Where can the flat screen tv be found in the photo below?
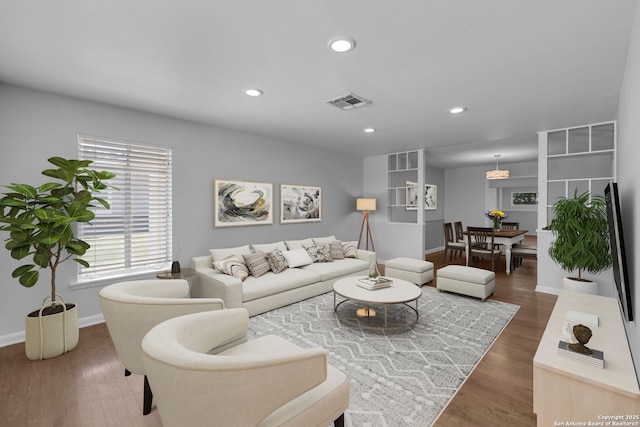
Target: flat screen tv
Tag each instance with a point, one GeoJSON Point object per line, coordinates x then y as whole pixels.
{"type": "Point", "coordinates": [618, 254]}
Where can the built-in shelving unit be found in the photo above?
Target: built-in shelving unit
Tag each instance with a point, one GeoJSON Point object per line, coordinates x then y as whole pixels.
{"type": "Point", "coordinates": [403, 168]}
{"type": "Point", "coordinates": [579, 158]}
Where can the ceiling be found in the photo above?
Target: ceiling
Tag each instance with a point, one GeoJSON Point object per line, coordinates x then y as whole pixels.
{"type": "Point", "coordinates": [517, 66]}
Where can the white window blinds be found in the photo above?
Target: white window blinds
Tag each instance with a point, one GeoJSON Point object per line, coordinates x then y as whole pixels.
{"type": "Point", "coordinates": [134, 236]}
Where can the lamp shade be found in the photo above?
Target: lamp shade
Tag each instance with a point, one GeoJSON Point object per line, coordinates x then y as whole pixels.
{"type": "Point", "coordinates": [366, 204]}
{"type": "Point", "coordinates": [498, 174]}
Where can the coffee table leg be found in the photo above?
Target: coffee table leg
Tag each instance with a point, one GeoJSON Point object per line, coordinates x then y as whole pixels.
{"type": "Point", "coordinates": [385, 315]}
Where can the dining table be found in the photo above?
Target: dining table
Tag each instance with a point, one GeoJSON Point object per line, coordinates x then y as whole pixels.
{"type": "Point", "coordinates": [507, 238]}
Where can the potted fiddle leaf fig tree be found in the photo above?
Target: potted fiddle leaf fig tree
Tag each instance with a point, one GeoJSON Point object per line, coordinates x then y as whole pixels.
{"type": "Point", "coordinates": [581, 240]}
{"type": "Point", "coordinates": [40, 222]}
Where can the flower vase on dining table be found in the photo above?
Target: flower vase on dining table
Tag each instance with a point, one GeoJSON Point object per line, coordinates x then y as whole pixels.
{"type": "Point", "coordinates": [497, 225]}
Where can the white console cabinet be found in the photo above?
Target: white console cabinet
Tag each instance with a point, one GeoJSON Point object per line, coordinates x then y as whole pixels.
{"type": "Point", "coordinates": [565, 390]}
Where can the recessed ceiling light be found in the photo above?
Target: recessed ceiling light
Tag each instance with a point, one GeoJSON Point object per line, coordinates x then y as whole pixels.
{"type": "Point", "coordinates": [457, 110]}
{"type": "Point", "coordinates": [342, 44]}
{"type": "Point", "coordinates": [369, 130]}
{"type": "Point", "coordinates": [252, 92]}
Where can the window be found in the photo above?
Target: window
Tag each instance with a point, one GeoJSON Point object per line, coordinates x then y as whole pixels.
{"type": "Point", "coordinates": [134, 236]}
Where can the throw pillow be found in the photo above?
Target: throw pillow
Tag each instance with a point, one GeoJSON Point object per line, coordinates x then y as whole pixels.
{"type": "Point", "coordinates": [297, 258]}
{"type": "Point", "coordinates": [319, 253]}
{"type": "Point", "coordinates": [257, 263]}
{"type": "Point", "coordinates": [335, 248]}
{"type": "Point", "coordinates": [233, 266]}
{"type": "Point", "coordinates": [219, 254]}
{"type": "Point", "coordinates": [349, 249]}
{"type": "Point", "coordinates": [268, 247]}
{"type": "Point", "coordinates": [277, 261]}
{"type": "Point", "coordinates": [297, 244]}
{"type": "Point", "coordinates": [323, 240]}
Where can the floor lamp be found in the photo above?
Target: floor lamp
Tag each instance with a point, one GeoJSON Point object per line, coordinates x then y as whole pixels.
{"type": "Point", "coordinates": [366, 205]}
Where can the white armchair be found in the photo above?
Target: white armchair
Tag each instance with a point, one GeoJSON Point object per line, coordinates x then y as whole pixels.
{"type": "Point", "coordinates": [200, 378]}
{"type": "Point", "coordinates": [132, 308]}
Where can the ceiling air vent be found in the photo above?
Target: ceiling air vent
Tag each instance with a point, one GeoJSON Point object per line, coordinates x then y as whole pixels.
{"type": "Point", "coordinates": [348, 101]}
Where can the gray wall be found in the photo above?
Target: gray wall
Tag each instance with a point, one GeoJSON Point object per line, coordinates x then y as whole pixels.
{"type": "Point", "coordinates": [468, 194]}
{"type": "Point", "coordinates": [396, 239]}
{"type": "Point", "coordinates": [35, 126]}
{"type": "Point", "coordinates": [627, 177]}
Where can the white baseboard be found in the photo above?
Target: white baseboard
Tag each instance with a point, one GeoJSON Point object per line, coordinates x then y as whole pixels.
{"type": "Point", "coordinates": [548, 290]}
{"type": "Point", "coordinates": [18, 337]}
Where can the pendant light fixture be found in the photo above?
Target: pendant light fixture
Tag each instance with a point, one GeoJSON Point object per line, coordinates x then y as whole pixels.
{"type": "Point", "coordinates": [498, 173]}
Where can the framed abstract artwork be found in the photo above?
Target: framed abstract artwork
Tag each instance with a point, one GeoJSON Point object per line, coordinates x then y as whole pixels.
{"type": "Point", "coordinates": [300, 203]}
{"type": "Point", "coordinates": [242, 203]}
{"type": "Point", "coordinates": [523, 199]}
{"type": "Point", "coordinates": [430, 196]}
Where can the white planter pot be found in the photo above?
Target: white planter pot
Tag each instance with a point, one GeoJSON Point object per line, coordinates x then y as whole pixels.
{"type": "Point", "coordinates": [586, 287]}
{"type": "Point", "coordinates": [52, 335]}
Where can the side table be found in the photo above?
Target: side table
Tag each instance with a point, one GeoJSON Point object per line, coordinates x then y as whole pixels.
{"type": "Point", "coordinates": [185, 273]}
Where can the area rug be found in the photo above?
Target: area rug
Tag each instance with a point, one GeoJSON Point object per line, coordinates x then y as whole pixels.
{"type": "Point", "coordinates": [396, 378]}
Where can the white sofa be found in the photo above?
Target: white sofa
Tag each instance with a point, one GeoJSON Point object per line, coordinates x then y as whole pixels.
{"type": "Point", "coordinates": [270, 291]}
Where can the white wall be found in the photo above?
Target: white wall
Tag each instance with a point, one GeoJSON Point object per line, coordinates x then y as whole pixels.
{"type": "Point", "coordinates": [35, 126]}
{"type": "Point", "coordinates": [628, 178]}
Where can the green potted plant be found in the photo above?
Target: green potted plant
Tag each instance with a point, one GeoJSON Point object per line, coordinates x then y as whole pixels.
{"type": "Point", "coordinates": [581, 242]}
{"type": "Point", "coordinates": [40, 222]}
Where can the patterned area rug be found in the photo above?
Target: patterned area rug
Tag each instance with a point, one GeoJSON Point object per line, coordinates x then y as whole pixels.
{"type": "Point", "coordinates": [396, 378]}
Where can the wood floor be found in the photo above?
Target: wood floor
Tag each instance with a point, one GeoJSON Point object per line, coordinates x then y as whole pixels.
{"type": "Point", "coordinates": [86, 387]}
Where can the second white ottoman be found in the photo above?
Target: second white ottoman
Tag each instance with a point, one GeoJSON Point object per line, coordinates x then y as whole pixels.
{"type": "Point", "coordinates": [471, 281]}
{"type": "Point", "coordinates": [409, 269]}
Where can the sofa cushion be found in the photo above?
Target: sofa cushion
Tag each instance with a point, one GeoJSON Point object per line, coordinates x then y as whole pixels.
{"type": "Point", "coordinates": [332, 270]}
{"type": "Point", "coordinates": [277, 261]}
{"type": "Point", "coordinates": [268, 247]}
{"type": "Point", "coordinates": [271, 284]}
{"type": "Point", "coordinates": [319, 253]}
{"type": "Point", "coordinates": [257, 263]}
{"type": "Point", "coordinates": [297, 258]}
{"type": "Point", "coordinates": [335, 248]}
{"type": "Point", "coordinates": [297, 244]}
{"type": "Point", "coordinates": [322, 240]}
{"type": "Point", "coordinates": [218, 254]}
{"type": "Point", "coordinates": [233, 265]}
{"type": "Point", "coordinates": [350, 249]}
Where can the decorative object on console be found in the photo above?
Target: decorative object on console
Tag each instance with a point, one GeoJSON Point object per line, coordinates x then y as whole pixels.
{"type": "Point", "coordinates": [578, 350]}
{"type": "Point", "coordinates": [300, 203]}
{"type": "Point", "coordinates": [242, 203]}
{"type": "Point", "coordinates": [498, 173]}
{"type": "Point", "coordinates": [496, 216]}
{"type": "Point", "coordinates": [366, 205]}
{"type": "Point", "coordinates": [430, 196]}
{"type": "Point", "coordinates": [581, 240]}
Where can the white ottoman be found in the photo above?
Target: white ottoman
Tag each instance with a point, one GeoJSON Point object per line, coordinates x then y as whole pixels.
{"type": "Point", "coordinates": [471, 281]}
{"type": "Point", "coordinates": [409, 269]}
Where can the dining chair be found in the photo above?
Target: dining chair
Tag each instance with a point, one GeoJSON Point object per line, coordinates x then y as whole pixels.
{"type": "Point", "coordinates": [457, 226]}
{"type": "Point", "coordinates": [510, 225]}
{"type": "Point", "coordinates": [450, 244]}
{"type": "Point", "coordinates": [481, 245]}
{"type": "Point", "coordinates": [518, 253]}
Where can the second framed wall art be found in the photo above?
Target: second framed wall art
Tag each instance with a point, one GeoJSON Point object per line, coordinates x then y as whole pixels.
{"type": "Point", "coordinates": [430, 196]}
{"type": "Point", "coordinates": [300, 203]}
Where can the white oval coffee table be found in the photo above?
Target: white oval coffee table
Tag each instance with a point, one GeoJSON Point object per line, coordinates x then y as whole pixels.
{"type": "Point", "coordinates": [400, 292]}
